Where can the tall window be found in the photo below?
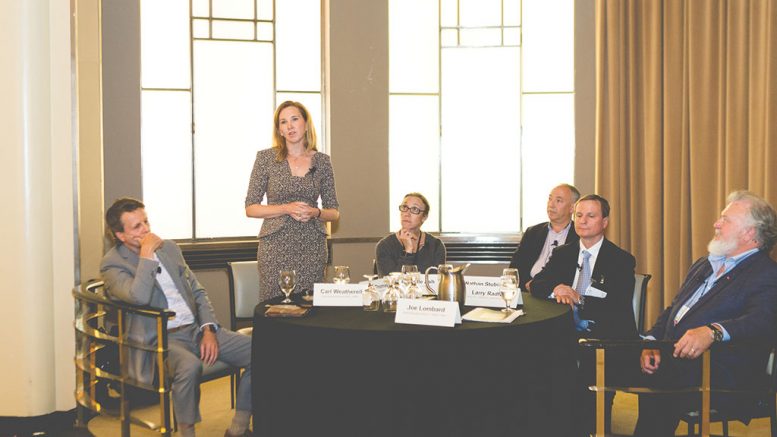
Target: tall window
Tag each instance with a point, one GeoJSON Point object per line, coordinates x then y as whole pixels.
{"type": "Point", "coordinates": [212, 74]}
{"type": "Point", "coordinates": [481, 109]}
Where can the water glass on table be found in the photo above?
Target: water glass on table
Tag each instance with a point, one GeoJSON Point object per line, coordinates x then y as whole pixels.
{"type": "Point", "coordinates": [287, 280]}
{"type": "Point", "coordinates": [410, 277]}
{"type": "Point", "coordinates": [370, 296]}
{"type": "Point", "coordinates": [508, 286]}
{"type": "Point", "coordinates": [392, 295]}
{"type": "Point", "coordinates": [342, 275]}
{"type": "Point", "coordinates": [511, 271]}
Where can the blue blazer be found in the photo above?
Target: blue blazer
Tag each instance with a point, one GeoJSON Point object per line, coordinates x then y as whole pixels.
{"type": "Point", "coordinates": [744, 302]}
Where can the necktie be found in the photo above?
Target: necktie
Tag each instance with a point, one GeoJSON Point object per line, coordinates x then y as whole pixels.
{"type": "Point", "coordinates": [583, 281]}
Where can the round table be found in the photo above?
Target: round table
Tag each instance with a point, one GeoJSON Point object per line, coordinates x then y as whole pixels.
{"type": "Point", "coordinates": [348, 372]}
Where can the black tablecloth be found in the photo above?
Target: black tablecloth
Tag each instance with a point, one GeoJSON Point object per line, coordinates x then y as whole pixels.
{"type": "Point", "coordinates": [347, 372]}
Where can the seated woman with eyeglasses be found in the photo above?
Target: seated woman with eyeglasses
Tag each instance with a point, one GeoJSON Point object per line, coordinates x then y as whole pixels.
{"type": "Point", "coordinates": [410, 245]}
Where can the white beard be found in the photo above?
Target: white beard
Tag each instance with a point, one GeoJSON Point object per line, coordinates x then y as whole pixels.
{"type": "Point", "coordinates": [722, 247]}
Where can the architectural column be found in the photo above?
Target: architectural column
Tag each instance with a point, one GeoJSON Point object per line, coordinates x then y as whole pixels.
{"type": "Point", "coordinates": [37, 262]}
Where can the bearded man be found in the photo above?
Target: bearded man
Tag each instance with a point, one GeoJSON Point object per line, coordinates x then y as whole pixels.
{"type": "Point", "coordinates": [728, 296]}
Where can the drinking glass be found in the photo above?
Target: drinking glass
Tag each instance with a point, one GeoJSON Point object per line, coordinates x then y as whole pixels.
{"type": "Point", "coordinates": [409, 268]}
{"type": "Point", "coordinates": [514, 272]}
{"type": "Point", "coordinates": [508, 286]}
{"type": "Point", "coordinates": [370, 296]}
{"type": "Point", "coordinates": [392, 295]}
{"type": "Point", "coordinates": [410, 278]}
{"type": "Point", "coordinates": [287, 281]}
{"type": "Point", "coordinates": [342, 275]}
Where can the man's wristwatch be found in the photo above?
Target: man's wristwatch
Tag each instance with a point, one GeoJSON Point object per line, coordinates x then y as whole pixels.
{"type": "Point", "coordinates": [717, 334]}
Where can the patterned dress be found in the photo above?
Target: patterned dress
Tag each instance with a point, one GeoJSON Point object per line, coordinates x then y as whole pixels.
{"type": "Point", "coordinates": [285, 243]}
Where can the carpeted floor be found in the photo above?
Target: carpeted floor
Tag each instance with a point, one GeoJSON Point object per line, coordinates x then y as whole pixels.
{"type": "Point", "coordinates": [216, 415]}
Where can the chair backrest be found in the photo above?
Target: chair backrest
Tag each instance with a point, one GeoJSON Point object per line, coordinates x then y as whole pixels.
{"type": "Point", "coordinates": [638, 299]}
{"type": "Point", "coordinates": [243, 290]}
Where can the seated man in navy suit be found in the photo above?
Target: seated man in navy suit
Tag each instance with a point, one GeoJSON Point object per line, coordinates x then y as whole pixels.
{"type": "Point", "coordinates": [538, 241]}
{"type": "Point", "coordinates": [729, 295]}
{"type": "Point", "coordinates": [143, 269]}
{"type": "Point", "coordinates": [596, 278]}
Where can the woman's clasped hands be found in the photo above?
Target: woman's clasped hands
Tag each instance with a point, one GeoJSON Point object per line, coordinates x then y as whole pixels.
{"type": "Point", "coordinates": [301, 211]}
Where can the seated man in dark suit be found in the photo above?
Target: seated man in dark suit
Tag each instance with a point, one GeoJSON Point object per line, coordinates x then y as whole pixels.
{"type": "Point", "coordinates": [538, 241]}
{"type": "Point", "coordinates": [596, 278]}
{"type": "Point", "coordinates": [143, 269]}
{"type": "Point", "coordinates": [729, 295]}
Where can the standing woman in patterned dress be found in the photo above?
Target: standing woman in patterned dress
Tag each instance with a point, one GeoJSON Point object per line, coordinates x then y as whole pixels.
{"type": "Point", "coordinates": [294, 176]}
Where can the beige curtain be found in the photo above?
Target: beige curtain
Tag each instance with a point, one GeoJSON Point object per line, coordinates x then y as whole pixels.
{"type": "Point", "coordinates": [686, 111]}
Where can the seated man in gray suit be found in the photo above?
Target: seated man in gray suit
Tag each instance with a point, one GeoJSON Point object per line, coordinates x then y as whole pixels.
{"type": "Point", "coordinates": [538, 241]}
{"type": "Point", "coordinates": [728, 295]}
{"type": "Point", "coordinates": [143, 269]}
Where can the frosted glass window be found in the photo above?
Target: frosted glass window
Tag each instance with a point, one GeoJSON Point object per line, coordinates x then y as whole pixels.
{"type": "Point", "coordinates": [165, 44]}
{"type": "Point", "coordinates": [166, 146]}
{"type": "Point", "coordinates": [233, 8]}
{"type": "Point", "coordinates": [264, 31]}
{"type": "Point", "coordinates": [512, 12]}
{"type": "Point", "coordinates": [480, 140]}
{"type": "Point", "coordinates": [414, 48]}
{"type": "Point", "coordinates": [548, 149]}
{"type": "Point", "coordinates": [495, 99]}
{"type": "Point", "coordinates": [201, 28]}
{"type": "Point", "coordinates": [450, 38]}
{"type": "Point", "coordinates": [233, 29]}
{"type": "Point", "coordinates": [480, 37]}
{"type": "Point", "coordinates": [448, 13]}
{"type": "Point", "coordinates": [233, 108]}
{"type": "Point", "coordinates": [414, 154]}
{"type": "Point", "coordinates": [512, 36]}
{"type": "Point", "coordinates": [548, 45]}
{"type": "Point", "coordinates": [264, 9]}
{"type": "Point", "coordinates": [200, 8]}
{"type": "Point", "coordinates": [312, 101]}
{"type": "Point", "coordinates": [480, 12]}
{"type": "Point", "coordinates": [298, 45]}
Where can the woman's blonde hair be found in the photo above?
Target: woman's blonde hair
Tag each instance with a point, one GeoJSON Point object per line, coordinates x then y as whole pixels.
{"type": "Point", "coordinates": [279, 142]}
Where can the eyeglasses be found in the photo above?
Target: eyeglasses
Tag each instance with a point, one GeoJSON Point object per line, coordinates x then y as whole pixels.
{"type": "Point", "coordinates": [413, 209]}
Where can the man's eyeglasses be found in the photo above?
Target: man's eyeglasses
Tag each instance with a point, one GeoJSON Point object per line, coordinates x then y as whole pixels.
{"type": "Point", "coordinates": [413, 209]}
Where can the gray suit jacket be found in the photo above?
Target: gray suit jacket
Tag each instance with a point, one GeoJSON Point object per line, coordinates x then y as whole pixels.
{"type": "Point", "coordinates": [132, 279]}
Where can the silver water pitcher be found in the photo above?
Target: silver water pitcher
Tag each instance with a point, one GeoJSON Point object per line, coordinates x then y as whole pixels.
{"type": "Point", "coordinates": [450, 282]}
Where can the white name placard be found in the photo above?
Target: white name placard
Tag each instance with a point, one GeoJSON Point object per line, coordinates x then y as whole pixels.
{"type": "Point", "coordinates": [337, 295]}
{"type": "Point", "coordinates": [427, 312]}
{"type": "Point", "coordinates": [483, 291]}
